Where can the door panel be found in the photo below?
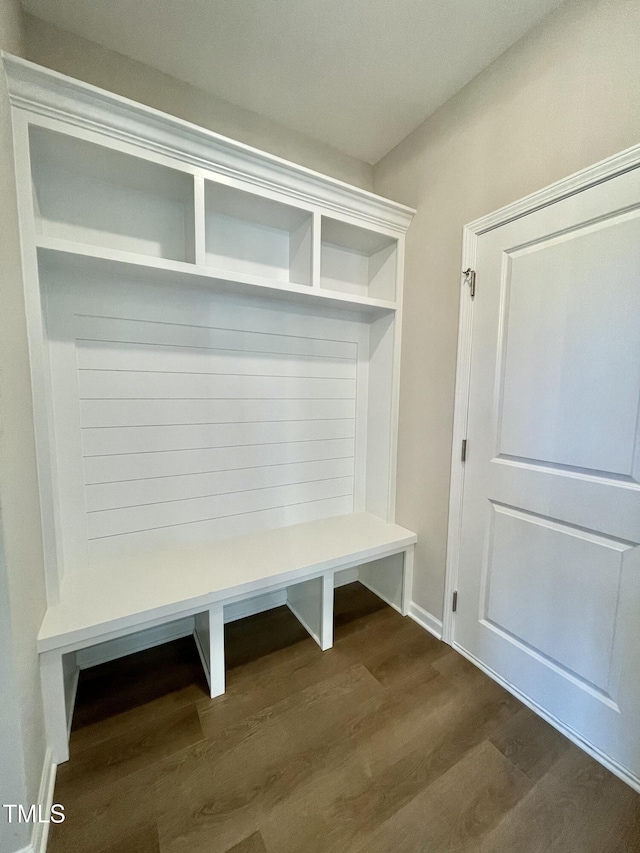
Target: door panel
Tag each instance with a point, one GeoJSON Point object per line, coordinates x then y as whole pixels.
{"type": "Point", "coordinates": [549, 572]}
{"type": "Point", "coordinates": [534, 564]}
{"type": "Point", "coordinates": [585, 413]}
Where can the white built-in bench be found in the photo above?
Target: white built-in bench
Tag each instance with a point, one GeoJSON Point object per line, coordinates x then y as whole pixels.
{"type": "Point", "coordinates": [120, 597]}
{"type": "Point", "coordinates": [214, 339]}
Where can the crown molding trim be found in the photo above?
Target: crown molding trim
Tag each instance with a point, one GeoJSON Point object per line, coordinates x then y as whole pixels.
{"type": "Point", "coordinates": [41, 91]}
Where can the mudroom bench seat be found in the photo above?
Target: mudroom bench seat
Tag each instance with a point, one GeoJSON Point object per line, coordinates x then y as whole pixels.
{"type": "Point", "coordinates": [115, 598]}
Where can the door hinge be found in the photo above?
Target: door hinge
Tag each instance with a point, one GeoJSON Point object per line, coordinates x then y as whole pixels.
{"type": "Point", "coordinates": [470, 279]}
{"type": "Point", "coordinates": [463, 452]}
{"type": "Point", "coordinates": [454, 604]}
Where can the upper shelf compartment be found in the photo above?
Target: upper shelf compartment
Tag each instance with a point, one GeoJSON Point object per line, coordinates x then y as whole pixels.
{"type": "Point", "coordinates": [247, 234]}
{"type": "Point", "coordinates": [95, 195]}
{"type": "Point", "coordinates": [357, 261]}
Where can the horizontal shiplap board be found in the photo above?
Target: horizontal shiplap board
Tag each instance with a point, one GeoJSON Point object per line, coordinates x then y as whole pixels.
{"type": "Point", "coordinates": [106, 469]}
{"type": "Point", "coordinates": [133, 519]}
{"type": "Point", "coordinates": [162, 489]}
{"type": "Point", "coordinates": [118, 440]}
{"type": "Point", "coordinates": [114, 384]}
{"type": "Point", "coordinates": [109, 355]}
{"type": "Point", "coordinates": [220, 528]}
{"type": "Point", "coordinates": [128, 331]}
{"type": "Point", "coordinates": [110, 413]}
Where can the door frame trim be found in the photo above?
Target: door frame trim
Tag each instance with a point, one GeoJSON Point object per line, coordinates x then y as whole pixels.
{"type": "Point", "coordinates": [611, 167]}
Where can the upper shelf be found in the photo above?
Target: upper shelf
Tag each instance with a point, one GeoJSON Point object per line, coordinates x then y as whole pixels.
{"type": "Point", "coordinates": [66, 253]}
{"type": "Point", "coordinates": [97, 205]}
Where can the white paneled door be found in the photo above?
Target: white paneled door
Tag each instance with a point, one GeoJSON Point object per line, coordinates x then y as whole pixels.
{"type": "Point", "coordinates": [549, 563]}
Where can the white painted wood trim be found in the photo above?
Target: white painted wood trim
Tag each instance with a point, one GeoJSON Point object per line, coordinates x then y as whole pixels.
{"type": "Point", "coordinates": [311, 603]}
{"type": "Point", "coordinates": [316, 249]}
{"type": "Point", "coordinates": [39, 369]}
{"type": "Point", "coordinates": [40, 834]}
{"type": "Point", "coordinates": [328, 588]}
{"type": "Point", "coordinates": [625, 161]}
{"type": "Point", "coordinates": [395, 382]}
{"type": "Point", "coordinates": [199, 246]}
{"type": "Point", "coordinates": [71, 700]}
{"type": "Point", "coordinates": [202, 654]}
{"type": "Point", "coordinates": [216, 675]}
{"type": "Point", "coordinates": [407, 580]}
{"type": "Point", "coordinates": [617, 769]}
{"type": "Point", "coordinates": [426, 620]}
{"type": "Point", "coordinates": [51, 94]}
{"type": "Point", "coordinates": [463, 375]}
{"type": "Point", "coordinates": [52, 679]}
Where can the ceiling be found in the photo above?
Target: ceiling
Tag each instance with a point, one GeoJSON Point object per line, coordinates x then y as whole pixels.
{"type": "Point", "coordinates": [358, 75]}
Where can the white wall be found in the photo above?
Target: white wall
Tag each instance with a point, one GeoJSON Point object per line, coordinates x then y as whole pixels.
{"type": "Point", "coordinates": [73, 55]}
{"type": "Point", "coordinates": [564, 97]}
{"type": "Point", "coordinates": [22, 595]}
{"type": "Point", "coordinates": [12, 778]}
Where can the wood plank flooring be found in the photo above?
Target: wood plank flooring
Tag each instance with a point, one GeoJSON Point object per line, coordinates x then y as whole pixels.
{"type": "Point", "coordinates": [388, 743]}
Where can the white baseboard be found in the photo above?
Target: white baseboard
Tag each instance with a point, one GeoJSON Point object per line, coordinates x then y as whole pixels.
{"type": "Point", "coordinates": [426, 620]}
{"type": "Point", "coordinates": [617, 769]}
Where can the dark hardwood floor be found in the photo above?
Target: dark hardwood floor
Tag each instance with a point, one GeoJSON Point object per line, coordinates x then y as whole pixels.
{"type": "Point", "coordinates": [388, 743]}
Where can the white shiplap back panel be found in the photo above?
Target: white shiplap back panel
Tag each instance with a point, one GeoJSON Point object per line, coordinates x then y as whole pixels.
{"type": "Point", "coordinates": [198, 417]}
{"type": "Point", "coordinates": [120, 469]}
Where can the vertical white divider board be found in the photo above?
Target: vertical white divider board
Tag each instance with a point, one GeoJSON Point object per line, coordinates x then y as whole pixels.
{"type": "Point", "coordinates": [41, 391]}
{"type": "Point", "coordinates": [159, 420]}
{"type": "Point", "coordinates": [316, 251]}
{"type": "Point", "coordinates": [200, 249]}
{"type": "Point", "coordinates": [311, 602]}
{"type": "Point", "coordinates": [57, 720]}
{"type": "Point", "coordinates": [209, 636]}
{"type": "Point", "coordinates": [300, 253]}
{"type": "Point", "coordinates": [381, 432]}
{"type": "Point", "coordinates": [390, 579]}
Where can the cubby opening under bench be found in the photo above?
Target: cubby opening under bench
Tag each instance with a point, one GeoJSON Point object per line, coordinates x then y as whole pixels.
{"type": "Point", "coordinates": [214, 339]}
